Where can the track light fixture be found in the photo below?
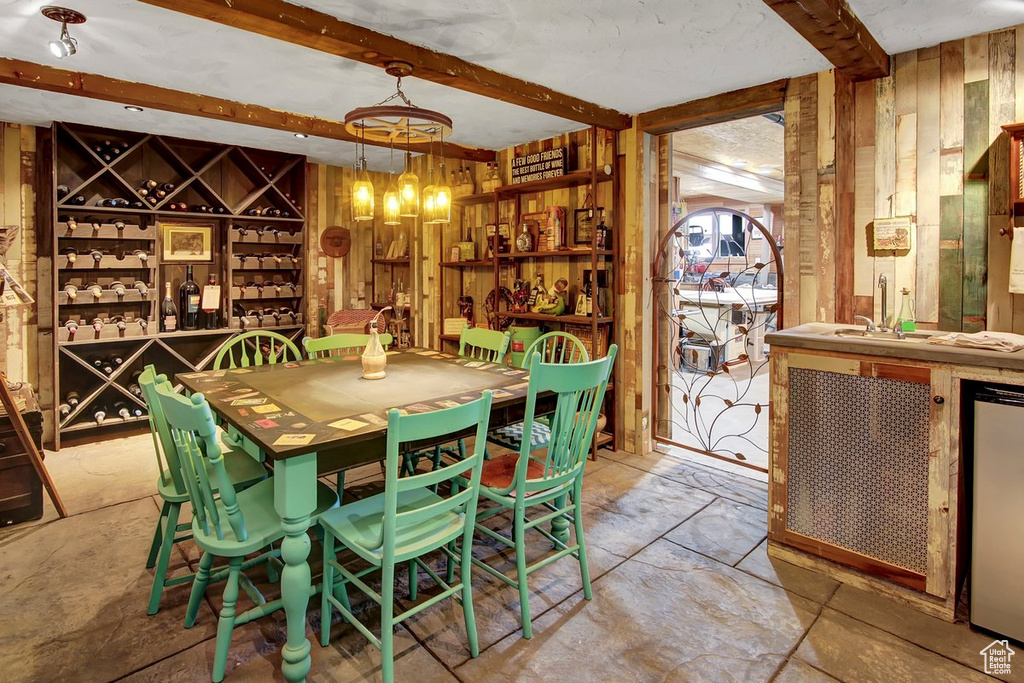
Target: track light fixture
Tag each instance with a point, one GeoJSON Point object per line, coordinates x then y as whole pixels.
{"type": "Point", "coordinates": [65, 46]}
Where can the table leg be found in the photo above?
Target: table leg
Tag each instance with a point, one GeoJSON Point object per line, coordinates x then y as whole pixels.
{"type": "Point", "coordinates": [294, 500]}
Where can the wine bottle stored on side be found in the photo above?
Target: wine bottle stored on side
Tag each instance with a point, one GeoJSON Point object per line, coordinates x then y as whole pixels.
{"type": "Point", "coordinates": [188, 301]}
{"type": "Point", "coordinates": [168, 312]}
{"type": "Point", "coordinates": [71, 253]}
{"type": "Point", "coordinates": [64, 410]}
{"type": "Point", "coordinates": [96, 361]}
{"type": "Point", "coordinates": [126, 412]}
{"type": "Point", "coordinates": [99, 413]}
{"type": "Point", "coordinates": [133, 384]}
{"type": "Point", "coordinates": [72, 292]}
{"type": "Point", "coordinates": [107, 367]}
{"type": "Point", "coordinates": [73, 399]}
{"type": "Point", "coordinates": [62, 192]}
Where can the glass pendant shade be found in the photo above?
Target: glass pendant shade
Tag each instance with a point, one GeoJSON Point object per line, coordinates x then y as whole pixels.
{"type": "Point", "coordinates": [409, 194]}
{"type": "Point", "coordinates": [442, 202]}
{"type": "Point", "coordinates": [362, 198]}
{"type": "Point", "coordinates": [429, 214]}
{"type": "Point", "coordinates": [392, 207]}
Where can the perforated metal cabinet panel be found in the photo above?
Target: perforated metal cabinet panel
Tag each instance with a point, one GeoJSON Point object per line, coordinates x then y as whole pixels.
{"type": "Point", "coordinates": [858, 464]}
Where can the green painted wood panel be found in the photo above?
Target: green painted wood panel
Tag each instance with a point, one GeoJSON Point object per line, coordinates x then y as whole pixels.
{"type": "Point", "coordinates": [951, 295]}
{"type": "Point", "coordinates": [975, 211]}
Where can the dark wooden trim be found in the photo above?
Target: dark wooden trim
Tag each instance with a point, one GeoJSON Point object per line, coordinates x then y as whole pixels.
{"type": "Point", "coordinates": [50, 79]}
{"type": "Point", "coordinates": [846, 156]}
{"type": "Point", "coordinates": [836, 32]}
{"type": "Point", "coordinates": [849, 558]}
{"type": "Point", "coordinates": [323, 32]}
{"type": "Point", "coordinates": [729, 106]}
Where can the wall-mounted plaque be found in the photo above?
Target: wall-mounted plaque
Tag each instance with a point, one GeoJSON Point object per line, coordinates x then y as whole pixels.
{"type": "Point", "coordinates": [539, 166]}
{"type": "Point", "coordinates": [893, 234]}
{"type": "Point", "coordinates": [336, 241]}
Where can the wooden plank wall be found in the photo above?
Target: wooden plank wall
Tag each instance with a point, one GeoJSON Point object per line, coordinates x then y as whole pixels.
{"type": "Point", "coordinates": [926, 142]}
{"type": "Point", "coordinates": [19, 355]}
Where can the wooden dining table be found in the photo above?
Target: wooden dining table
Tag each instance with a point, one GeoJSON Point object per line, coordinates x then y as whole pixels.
{"type": "Point", "coordinates": [311, 417]}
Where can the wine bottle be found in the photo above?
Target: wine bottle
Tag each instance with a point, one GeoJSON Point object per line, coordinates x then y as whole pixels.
{"type": "Point", "coordinates": [168, 312]}
{"type": "Point", "coordinates": [71, 253]}
{"type": "Point", "coordinates": [151, 184]}
{"type": "Point", "coordinates": [97, 256]}
{"type": "Point", "coordinates": [95, 290]}
{"type": "Point", "coordinates": [72, 291]}
{"type": "Point", "coordinates": [188, 301]}
{"type": "Point", "coordinates": [62, 192]}
{"type": "Point", "coordinates": [219, 209]}
{"type": "Point", "coordinates": [78, 200]}
{"type": "Point", "coordinates": [96, 361]}
{"type": "Point", "coordinates": [120, 323]}
{"type": "Point", "coordinates": [71, 223]}
{"type": "Point", "coordinates": [275, 285]}
{"type": "Point", "coordinates": [71, 326]}
{"type": "Point", "coordinates": [152, 201]}
{"type": "Point", "coordinates": [97, 325]}
{"type": "Point", "coordinates": [167, 187]}
{"type": "Point", "coordinates": [143, 192]}
{"type": "Point", "coordinates": [142, 255]}
{"type": "Point", "coordinates": [242, 231]}
{"type": "Point", "coordinates": [64, 410]}
{"type": "Point", "coordinates": [73, 399]}
{"type": "Point", "coordinates": [99, 413]}
{"type": "Point", "coordinates": [107, 367]}
{"type": "Point", "coordinates": [126, 411]}
{"type": "Point", "coordinates": [138, 205]}
{"type": "Point", "coordinates": [118, 288]}
{"type": "Point", "coordinates": [378, 247]}
{"type": "Point", "coordinates": [254, 212]}
{"type": "Point", "coordinates": [133, 385]}
{"type": "Point", "coordinates": [160, 194]}
{"type": "Point", "coordinates": [274, 313]}
{"type": "Point", "coordinates": [211, 314]}
{"type": "Point", "coordinates": [142, 287]}
{"type": "Point", "coordinates": [117, 360]}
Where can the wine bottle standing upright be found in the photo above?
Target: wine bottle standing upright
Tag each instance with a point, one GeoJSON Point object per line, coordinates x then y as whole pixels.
{"type": "Point", "coordinates": [168, 312]}
{"type": "Point", "coordinates": [211, 302]}
{"type": "Point", "coordinates": [188, 301]}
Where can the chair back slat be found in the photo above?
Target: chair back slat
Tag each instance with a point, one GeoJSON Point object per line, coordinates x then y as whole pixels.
{"type": "Point", "coordinates": [256, 348]}
{"type": "Point", "coordinates": [195, 438]}
{"type": "Point", "coordinates": [579, 390]}
{"type": "Point", "coordinates": [486, 345]}
{"type": "Point", "coordinates": [341, 344]}
{"type": "Point", "coordinates": [433, 425]}
{"type": "Point", "coordinates": [558, 348]}
{"type": "Point", "coordinates": [163, 443]}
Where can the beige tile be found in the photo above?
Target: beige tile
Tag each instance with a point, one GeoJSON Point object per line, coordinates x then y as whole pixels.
{"type": "Point", "coordinates": [724, 530]}
{"type": "Point", "coordinates": [854, 651]}
{"type": "Point", "coordinates": [810, 584]}
{"type": "Point", "coordinates": [954, 640]}
{"type": "Point", "coordinates": [797, 671]}
{"type": "Point", "coordinates": [667, 614]}
{"type": "Point", "coordinates": [79, 588]}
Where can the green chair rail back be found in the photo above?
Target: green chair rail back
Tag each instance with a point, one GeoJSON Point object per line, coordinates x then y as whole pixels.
{"type": "Point", "coordinates": [341, 344]}
{"type": "Point", "coordinates": [256, 348]}
{"type": "Point", "coordinates": [486, 345]}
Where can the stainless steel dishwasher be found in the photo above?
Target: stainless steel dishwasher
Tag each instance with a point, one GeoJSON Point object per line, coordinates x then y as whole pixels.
{"type": "Point", "coordinates": [997, 526]}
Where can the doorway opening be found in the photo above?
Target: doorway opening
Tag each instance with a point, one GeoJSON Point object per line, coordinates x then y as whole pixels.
{"type": "Point", "coordinates": [718, 290]}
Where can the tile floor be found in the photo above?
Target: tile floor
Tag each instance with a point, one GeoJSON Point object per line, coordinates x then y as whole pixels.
{"type": "Point", "coordinates": [683, 591]}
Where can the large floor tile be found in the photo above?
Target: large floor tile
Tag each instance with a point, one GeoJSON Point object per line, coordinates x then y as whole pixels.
{"type": "Point", "coordinates": [810, 584]}
{"type": "Point", "coordinates": [854, 651]}
{"type": "Point", "coordinates": [667, 614]}
{"type": "Point", "coordinates": [725, 530]}
{"type": "Point", "coordinates": [797, 671]}
{"type": "Point", "coordinates": [686, 471]}
{"type": "Point", "coordinates": [954, 640]}
{"type": "Point", "coordinates": [95, 475]}
{"type": "Point", "coordinates": [79, 589]}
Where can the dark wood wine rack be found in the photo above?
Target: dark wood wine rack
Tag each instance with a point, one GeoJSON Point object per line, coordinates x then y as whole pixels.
{"type": "Point", "coordinates": [230, 182]}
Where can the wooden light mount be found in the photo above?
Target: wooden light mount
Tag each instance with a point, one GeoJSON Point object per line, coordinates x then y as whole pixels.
{"type": "Point", "coordinates": [63, 15]}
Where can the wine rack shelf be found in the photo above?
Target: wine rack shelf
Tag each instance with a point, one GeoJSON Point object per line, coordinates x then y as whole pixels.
{"type": "Point", "coordinates": [112, 193]}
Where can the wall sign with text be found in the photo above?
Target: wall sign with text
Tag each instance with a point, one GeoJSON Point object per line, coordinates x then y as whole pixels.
{"type": "Point", "coordinates": [539, 166]}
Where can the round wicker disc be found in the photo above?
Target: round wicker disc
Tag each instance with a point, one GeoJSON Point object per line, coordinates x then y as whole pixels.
{"type": "Point", "coordinates": [397, 125]}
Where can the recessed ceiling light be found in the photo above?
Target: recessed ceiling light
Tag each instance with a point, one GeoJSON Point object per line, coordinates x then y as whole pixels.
{"type": "Point", "coordinates": [301, 135]}
{"type": "Point", "coordinates": [134, 108]}
{"type": "Point", "coordinates": [65, 46]}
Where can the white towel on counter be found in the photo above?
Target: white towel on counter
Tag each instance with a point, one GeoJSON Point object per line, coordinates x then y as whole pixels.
{"type": "Point", "coordinates": [1017, 262]}
{"type": "Point", "coordinates": [993, 341]}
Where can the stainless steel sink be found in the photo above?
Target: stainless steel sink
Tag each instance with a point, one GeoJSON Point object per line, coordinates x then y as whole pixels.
{"type": "Point", "coordinates": [861, 333]}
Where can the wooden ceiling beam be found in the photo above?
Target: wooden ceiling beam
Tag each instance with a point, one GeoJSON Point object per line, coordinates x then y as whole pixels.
{"type": "Point", "coordinates": [736, 104]}
{"type": "Point", "coordinates": [318, 31]}
{"type": "Point", "coordinates": [42, 77]}
{"type": "Point", "coordinates": [836, 32]}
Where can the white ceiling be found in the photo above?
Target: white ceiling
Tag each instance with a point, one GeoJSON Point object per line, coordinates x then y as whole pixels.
{"type": "Point", "coordinates": [628, 55]}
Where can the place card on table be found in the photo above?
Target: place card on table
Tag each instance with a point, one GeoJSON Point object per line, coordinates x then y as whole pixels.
{"type": "Point", "coordinates": [294, 439]}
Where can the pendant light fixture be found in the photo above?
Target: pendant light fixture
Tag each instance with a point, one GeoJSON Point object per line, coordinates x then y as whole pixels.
{"type": "Point", "coordinates": [65, 46]}
{"type": "Point", "coordinates": [392, 201]}
{"type": "Point", "coordinates": [429, 214]}
{"type": "Point", "coordinates": [398, 123]}
{"type": "Point", "coordinates": [362, 189]}
{"type": "Point", "coordinates": [442, 195]}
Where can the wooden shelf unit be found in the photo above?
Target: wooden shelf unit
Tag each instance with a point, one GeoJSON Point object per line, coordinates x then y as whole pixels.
{"type": "Point", "coordinates": [393, 272]}
{"type": "Point", "coordinates": [507, 200]}
{"type": "Point", "coordinates": [231, 181]}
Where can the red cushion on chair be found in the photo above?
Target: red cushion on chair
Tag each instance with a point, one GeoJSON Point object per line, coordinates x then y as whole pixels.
{"type": "Point", "coordinates": [355, 320]}
{"type": "Point", "coordinates": [499, 472]}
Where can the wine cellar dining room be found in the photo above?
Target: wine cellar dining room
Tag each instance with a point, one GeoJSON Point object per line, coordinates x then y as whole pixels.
{"type": "Point", "coordinates": [458, 342]}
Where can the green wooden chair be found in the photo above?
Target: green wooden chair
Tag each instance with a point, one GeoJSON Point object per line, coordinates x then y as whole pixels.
{"type": "Point", "coordinates": [554, 347]}
{"type": "Point", "coordinates": [256, 348]}
{"type": "Point", "coordinates": [520, 481]}
{"type": "Point", "coordinates": [242, 470]}
{"type": "Point", "coordinates": [408, 520]}
{"type": "Point", "coordinates": [231, 525]}
{"type": "Point", "coordinates": [486, 345]}
{"type": "Point", "coordinates": [248, 349]}
{"type": "Point", "coordinates": [478, 344]}
{"type": "Point", "coordinates": [342, 344]}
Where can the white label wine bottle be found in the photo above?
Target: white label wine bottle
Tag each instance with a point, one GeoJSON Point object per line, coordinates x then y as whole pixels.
{"type": "Point", "coordinates": [168, 312]}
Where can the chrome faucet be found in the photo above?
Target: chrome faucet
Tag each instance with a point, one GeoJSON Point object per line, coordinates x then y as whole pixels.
{"type": "Point", "coordinates": [869, 324]}
{"type": "Point", "coordinates": [883, 284]}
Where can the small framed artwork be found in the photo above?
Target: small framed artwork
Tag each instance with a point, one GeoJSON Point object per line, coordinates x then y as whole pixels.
{"type": "Point", "coordinates": [454, 254]}
{"type": "Point", "coordinates": [187, 243]}
{"type": "Point", "coordinates": [584, 221]}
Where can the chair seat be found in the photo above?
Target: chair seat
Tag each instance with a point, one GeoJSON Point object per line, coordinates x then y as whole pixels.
{"type": "Point", "coordinates": [510, 436]}
{"type": "Point", "coordinates": [499, 472]}
{"type": "Point", "coordinates": [262, 522]}
{"type": "Point", "coordinates": [358, 525]}
{"type": "Point", "coordinates": [241, 467]}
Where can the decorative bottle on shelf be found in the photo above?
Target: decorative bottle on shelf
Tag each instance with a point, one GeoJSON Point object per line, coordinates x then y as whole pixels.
{"type": "Point", "coordinates": [188, 301]}
{"type": "Point", "coordinates": [378, 247]}
{"type": "Point", "coordinates": [168, 312]}
{"type": "Point", "coordinates": [525, 240]}
{"type": "Point", "coordinates": [211, 302]}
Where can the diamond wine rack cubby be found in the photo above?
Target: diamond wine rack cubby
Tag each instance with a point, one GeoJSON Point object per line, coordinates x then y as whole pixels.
{"type": "Point", "coordinates": [114, 193]}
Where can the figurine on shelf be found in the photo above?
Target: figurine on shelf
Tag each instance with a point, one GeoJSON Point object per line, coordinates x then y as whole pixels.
{"type": "Point", "coordinates": [520, 295]}
{"type": "Point", "coordinates": [553, 302]}
{"type": "Point", "coordinates": [466, 308]}
{"type": "Point", "coordinates": [537, 291]}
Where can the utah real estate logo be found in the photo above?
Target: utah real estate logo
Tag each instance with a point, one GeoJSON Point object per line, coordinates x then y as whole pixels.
{"type": "Point", "coordinates": [997, 657]}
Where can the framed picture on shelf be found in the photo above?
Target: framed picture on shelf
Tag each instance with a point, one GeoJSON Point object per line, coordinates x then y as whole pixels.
{"type": "Point", "coordinates": [454, 254]}
{"type": "Point", "coordinates": [186, 243]}
{"type": "Point", "coordinates": [584, 221]}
